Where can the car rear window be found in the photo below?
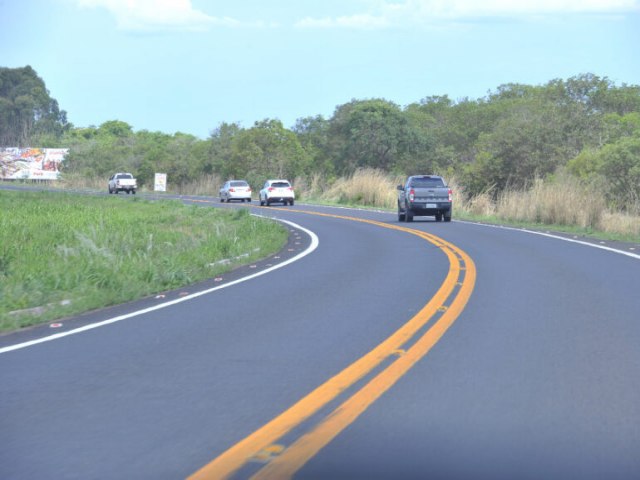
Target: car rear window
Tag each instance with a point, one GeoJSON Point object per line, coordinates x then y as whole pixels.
{"type": "Point", "coordinates": [426, 182]}
{"type": "Point", "coordinates": [280, 184]}
{"type": "Point", "coordinates": [239, 184]}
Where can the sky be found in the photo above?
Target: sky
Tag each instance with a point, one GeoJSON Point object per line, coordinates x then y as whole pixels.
{"type": "Point", "coordinates": [189, 65]}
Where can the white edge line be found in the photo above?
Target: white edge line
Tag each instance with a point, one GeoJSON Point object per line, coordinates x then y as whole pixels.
{"type": "Point", "coordinates": [314, 244]}
{"type": "Point", "coordinates": [557, 237]}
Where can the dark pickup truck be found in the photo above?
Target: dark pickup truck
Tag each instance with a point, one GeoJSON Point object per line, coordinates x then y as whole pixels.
{"type": "Point", "coordinates": [424, 195]}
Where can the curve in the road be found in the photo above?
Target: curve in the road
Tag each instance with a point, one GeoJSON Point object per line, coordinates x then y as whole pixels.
{"type": "Point", "coordinates": [456, 290]}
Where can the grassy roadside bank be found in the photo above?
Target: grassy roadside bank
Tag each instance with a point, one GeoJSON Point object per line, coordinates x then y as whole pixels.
{"type": "Point", "coordinates": [62, 254]}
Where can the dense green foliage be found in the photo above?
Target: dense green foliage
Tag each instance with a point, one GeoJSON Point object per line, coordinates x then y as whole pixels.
{"type": "Point", "coordinates": [74, 256]}
{"type": "Point", "coordinates": [585, 125]}
{"type": "Point", "coordinates": [26, 109]}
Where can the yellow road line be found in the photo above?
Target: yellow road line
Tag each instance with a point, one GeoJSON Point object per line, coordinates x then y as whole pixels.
{"type": "Point", "coordinates": [297, 454]}
{"type": "Point", "coordinates": [307, 446]}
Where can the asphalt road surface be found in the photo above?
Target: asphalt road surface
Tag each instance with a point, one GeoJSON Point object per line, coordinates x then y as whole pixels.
{"type": "Point", "coordinates": [383, 350]}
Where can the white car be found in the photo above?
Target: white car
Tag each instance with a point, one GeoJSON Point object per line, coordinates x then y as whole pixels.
{"type": "Point", "coordinates": [277, 191]}
{"type": "Point", "coordinates": [235, 190]}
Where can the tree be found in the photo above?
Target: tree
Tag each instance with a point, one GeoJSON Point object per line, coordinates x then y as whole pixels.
{"type": "Point", "coordinates": [313, 135]}
{"type": "Point", "coordinates": [26, 109]}
{"type": "Point", "coordinates": [116, 128]}
{"type": "Point", "coordinates": [523, 144]}
{"type": "Point", "coordinates": [370, 133]}
{"type": "Point", "coordinates": [620, 168]}
{"type": "Point", "coordinates": [219, 158]}
{"type": "Point", "coordinates": [267, 150]}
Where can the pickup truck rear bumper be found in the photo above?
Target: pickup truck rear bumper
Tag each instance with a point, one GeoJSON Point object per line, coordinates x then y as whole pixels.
{"type": "Point", "coordinates": [125, 189]}
{"type": "Point", "coordinates": [435, 208]}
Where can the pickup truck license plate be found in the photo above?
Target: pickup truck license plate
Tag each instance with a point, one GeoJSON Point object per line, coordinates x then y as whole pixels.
{"type": "Point", "coordinates": [432, 205]}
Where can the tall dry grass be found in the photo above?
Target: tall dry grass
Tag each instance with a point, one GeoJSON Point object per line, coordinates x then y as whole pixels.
{"type": "Point", "coordinates": [72, 181]}
{"type": "Point", "coordinates": [366, 187]}
{"type": "Point", "coordinates": [560, 203]}
{"type": "Point", "coordinates": [621, 223]}
{"type": "Point", "coordinates": [205, 185]}
{"type": "Point", "coordinates": [564, 202]}
{"type": "Point", "coordinates": [478, 205]}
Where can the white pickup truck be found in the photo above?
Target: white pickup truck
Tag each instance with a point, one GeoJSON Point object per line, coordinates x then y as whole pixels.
{"type": "Point", "coordinates": [122, 182]}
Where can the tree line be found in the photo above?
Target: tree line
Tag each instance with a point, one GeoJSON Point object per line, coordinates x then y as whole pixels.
{"type": "Point", "coordinates": [585, 125]}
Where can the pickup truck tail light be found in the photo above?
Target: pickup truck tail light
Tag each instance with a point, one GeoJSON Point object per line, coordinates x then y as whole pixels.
{"type": "Point", "coordinates": [412, 195]}
{"type": "Point", "coordinates": [450, 195]}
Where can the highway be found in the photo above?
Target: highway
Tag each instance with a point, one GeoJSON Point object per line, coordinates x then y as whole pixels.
{"type": "Point", "coordinates": [366, 349]}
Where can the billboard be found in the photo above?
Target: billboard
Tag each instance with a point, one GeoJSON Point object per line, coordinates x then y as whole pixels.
{"type": "Point", "coordinates": [31, 163]}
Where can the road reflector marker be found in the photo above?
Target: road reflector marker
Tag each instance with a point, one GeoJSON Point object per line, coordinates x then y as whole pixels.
{"type": "Point", "coordinates": [267, 453]}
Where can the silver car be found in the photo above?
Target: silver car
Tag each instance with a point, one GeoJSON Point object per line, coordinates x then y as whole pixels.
{"type": "Point", "coordinates": [235, 190]}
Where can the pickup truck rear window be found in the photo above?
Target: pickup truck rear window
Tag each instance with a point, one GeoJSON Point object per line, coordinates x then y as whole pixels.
{"type": "Point", "coordinates": [124, 176]}
{"type": "Point", "coordinates": [426, 183]}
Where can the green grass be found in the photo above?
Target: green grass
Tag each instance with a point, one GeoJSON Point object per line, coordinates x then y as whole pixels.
{"type": "Point", "coordinates": [71, 253]}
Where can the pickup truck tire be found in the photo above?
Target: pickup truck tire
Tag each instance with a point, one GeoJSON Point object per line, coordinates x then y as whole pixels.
{"type": "Point", "coordinates": [408, 215]}
{"type": "Point", "coordinates": [447, 218]}
{"type": "Point", "coordinates": [438, 217]}
{"type": "Point", "coordinates": [401, 214]}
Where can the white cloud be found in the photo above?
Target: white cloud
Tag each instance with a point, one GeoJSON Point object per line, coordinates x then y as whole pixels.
{"type": "Point", "coordinates": [472, 8]}
{"type": "Point", "coordinates": [386, 13]}
{"type": "Point", "coordinates": [364, 21]}
{"type": "Point", "coordinates": [158, 15]}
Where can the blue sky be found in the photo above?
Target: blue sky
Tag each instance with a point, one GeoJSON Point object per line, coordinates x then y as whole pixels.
{"type": "Point", "coordinates": [186, 66]}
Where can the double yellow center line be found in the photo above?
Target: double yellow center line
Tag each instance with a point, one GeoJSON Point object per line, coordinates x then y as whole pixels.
{"type": "Point", "coordinates": [445, 307]}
